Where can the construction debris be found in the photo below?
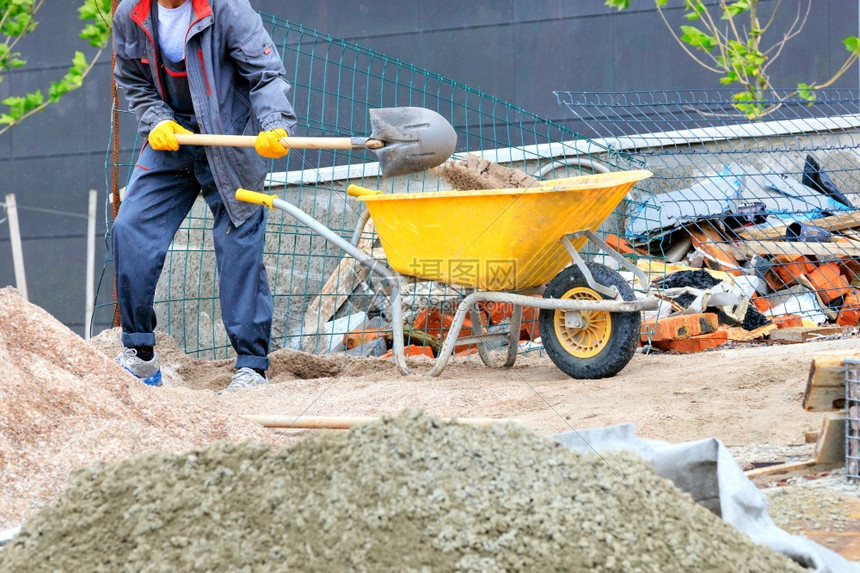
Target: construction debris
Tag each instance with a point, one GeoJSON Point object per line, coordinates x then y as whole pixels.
{"type": "Point", "coordinates": [408, 493]}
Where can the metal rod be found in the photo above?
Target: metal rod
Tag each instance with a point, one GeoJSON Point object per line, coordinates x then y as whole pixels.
{"type": "Point", "coordinates": [17, 250]}
{"type": "Point", "coordinates": [91, 263]}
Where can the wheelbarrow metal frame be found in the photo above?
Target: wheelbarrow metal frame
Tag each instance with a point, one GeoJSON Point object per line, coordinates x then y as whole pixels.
{"type": "Point", "coordinates": [469, 303]}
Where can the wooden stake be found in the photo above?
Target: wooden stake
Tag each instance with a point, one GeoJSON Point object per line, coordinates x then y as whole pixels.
{"type": "Point", "coordinates": [830, 446]}
{"type": "Point", "coordinates": [17, 251]}
{"type": "Point", "coordinates": [346, 422]}
{"type": "Point", "coordinates": [825, 387]}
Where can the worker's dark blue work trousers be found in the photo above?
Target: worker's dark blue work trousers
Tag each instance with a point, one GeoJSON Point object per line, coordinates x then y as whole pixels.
{"type": "Point", "coordinates": [161, 192]}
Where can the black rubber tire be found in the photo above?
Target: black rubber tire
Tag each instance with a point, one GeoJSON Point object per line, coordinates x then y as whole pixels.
{"type": "Point", "coordinates": [625, 326]}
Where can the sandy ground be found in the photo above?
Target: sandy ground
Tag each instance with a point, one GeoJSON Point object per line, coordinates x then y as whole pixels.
{"type": "Point", "coordinates": [743, 396]}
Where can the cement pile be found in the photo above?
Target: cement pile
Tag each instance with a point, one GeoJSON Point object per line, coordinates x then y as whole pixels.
{"type": "Point", "coordinates": [405, 494]}
{"type": "Point", "coordinates": [65, 405]}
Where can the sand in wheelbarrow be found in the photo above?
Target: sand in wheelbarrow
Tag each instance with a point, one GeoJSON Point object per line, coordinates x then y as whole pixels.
{"type": "Point", "coordinates": [408, 493]}
{"type": "Point", "coordinates": [475, 172]}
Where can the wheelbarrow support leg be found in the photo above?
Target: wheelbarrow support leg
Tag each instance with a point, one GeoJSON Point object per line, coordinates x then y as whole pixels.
{"type": "Point", "coordinates": [513, 337]}
{"type": "Point", "coordinates": [366, 260]}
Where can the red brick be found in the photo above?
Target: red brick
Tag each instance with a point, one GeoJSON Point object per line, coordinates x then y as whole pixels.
{"type": "Point", "coordinates": [849, 267]}
{"type": "Point", "coordinates": [468, 352]}
{"type": "Point", "coordinates": [829, 282]}
{"type": "Point", "coordinates": [677, 327]}
{"type": "Point", "coordinates": [849, 314]}
{"type": "Point", "coordinates": [763, 304]}
{"type": "Point", "coordinates": [496, 312]}
{"type": "Point", "coordinates": [411, 350]}
{"type": "Point", "coordinates": [694, 343]}
{"type": "Point", "coordinates": [529, 329]}
{"type": "Point", "coordinates": [436, 323]}
{"type": "Point", "coordinates": [622, 246]}
{"type": "Point", "coordinates": [710, 241]}
{"type": "Point", "coordinates": [788, 321]}
{"type": "Point", "coordinates": [789, 267]}
{"type": "Point", "coordinates": [361, 336]}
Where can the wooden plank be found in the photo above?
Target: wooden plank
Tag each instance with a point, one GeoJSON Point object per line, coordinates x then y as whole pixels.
{"type": "Point", "coordinates": [829, 250]}
{"type": "Point", "coordinates": [830, 446]}
{"type": "Point", "coordinates": [797, 334]}
{"type": "Point", "coordinates": [834, 223]}
{"type": "Point", "coordinates": [825, 387]}
{"type": "Point", "coordinates": [720, 253]}
{"type": "Point", "coordinates": [346, 422]}
{"type": "Point", "coordinates": [790, 469]}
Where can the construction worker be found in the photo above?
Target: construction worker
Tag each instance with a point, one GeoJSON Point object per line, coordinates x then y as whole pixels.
{"type": "Point", "coordinates": [205, 66]}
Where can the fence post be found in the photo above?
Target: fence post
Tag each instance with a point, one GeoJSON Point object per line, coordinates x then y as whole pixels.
{"type": "Point", "coordinates": [17, 251]}
{"type": "Point", "coordinates": [91, 263]}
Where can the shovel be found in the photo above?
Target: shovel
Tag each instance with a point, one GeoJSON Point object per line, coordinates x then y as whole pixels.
{"type": "Point", "coordinates": [405, 140]}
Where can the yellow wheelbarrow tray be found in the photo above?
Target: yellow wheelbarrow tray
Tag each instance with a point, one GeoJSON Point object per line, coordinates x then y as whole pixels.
{"type": "Point", "coordinates": [507, 245]}
{"type": "Point", "coordinates": [498, 239]}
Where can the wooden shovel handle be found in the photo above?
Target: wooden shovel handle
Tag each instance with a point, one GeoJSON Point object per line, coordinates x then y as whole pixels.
{"type": "Point", "coordinates": [289, 142]}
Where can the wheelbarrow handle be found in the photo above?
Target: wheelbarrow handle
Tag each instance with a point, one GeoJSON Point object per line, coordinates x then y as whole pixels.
{"type": "Point", "coordinates": [255, 197]}
{"type": "Point", "coordinates": [356, 191]}
{"type": "Point", "coordinates": [288, 142]}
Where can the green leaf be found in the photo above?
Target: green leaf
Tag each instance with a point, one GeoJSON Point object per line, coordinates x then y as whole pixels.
{"type": "Point", "coordinates": [98, 32]}
{"type": "Point", "coordinates": [735, 8]}
{"type": "Point", "coordinates": [806, 92]}
{"type": "Point", "coordinates": [852, 44]}
{"type": "Point", "coordinates": [698, 39]}
{"type": "Point", "coordinates": [620, 4]}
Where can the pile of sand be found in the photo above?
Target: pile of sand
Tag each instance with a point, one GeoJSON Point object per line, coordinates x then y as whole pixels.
{"type": "Point", "coordinates": [65, 405]}
{"type": "Point", "coordinates": [475, 172]}
{"type": "Point", "coordinates": [407, 494]}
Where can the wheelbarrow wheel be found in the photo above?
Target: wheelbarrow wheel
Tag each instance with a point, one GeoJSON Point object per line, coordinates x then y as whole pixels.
{"type": "Point", "coordinates": [604, 342]}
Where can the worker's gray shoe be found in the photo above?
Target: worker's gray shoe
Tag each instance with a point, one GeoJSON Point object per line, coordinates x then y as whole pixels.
{"type": "Point", "coordinates": [245, 378]}
{"type": "Point", "coordinates": [147, 370]}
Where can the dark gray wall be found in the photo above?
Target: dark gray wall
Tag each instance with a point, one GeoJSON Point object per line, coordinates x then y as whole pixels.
{"type": "Point", "coordinates": [517, 50]}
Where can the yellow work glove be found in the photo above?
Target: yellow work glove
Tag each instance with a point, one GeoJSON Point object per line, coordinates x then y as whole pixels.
{"type": "Point", "coordinates": [268, 143]}
{"type": "Point", "coordinates": [163, 136]}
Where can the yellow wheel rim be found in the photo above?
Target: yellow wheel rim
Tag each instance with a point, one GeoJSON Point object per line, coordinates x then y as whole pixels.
{"type": "Point", "coordinates": [589, 340]}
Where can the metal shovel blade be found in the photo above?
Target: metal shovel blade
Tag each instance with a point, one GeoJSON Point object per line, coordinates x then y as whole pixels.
{"type": "Point", "coordinates": [415, 139]}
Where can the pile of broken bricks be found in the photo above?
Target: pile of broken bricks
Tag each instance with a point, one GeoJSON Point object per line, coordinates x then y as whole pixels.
{"type": "Point", "coordinates": [801, 278]}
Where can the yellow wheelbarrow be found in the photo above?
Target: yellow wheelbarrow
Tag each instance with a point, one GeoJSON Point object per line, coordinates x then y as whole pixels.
{"type": "Point", "coordinates": [506, 246]}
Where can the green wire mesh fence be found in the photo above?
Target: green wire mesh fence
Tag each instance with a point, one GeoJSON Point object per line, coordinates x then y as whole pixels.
{"type": "Point", "coordinates": [320, 294]}
{"type": "Point", "coordinates": [765, 200]}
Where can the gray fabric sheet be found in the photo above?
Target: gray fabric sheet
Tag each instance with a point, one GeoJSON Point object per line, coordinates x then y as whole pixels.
{"type": "Point", "coordinates": [708, 472]}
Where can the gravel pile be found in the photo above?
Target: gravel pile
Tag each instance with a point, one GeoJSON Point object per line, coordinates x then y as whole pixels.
{"type": "Point", "coordinates": [408, 494]}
